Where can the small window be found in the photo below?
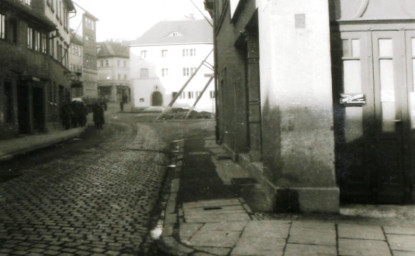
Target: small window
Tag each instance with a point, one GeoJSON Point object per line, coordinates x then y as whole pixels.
{"type": "Point", "coordinates": [164, 72]}
{"type": "Point", "coordinates": [141, 99]}
{"type": "Point", "coordinates": [44, 43]}
{"type": "Point", "coordinates": [163, 53]}
{"type": "Point", "coordinates": [143, 54]}
{"type": "Point", "coordinates": [2, 26]}
{"type": "Point", "coordinates": [175, 34]}
{"type": "Point", "coordinates": [37, 41]}
{"type": "Point", "coordinates": [144, 72]}
{"type": "Point", "coordinates": [30, 38]}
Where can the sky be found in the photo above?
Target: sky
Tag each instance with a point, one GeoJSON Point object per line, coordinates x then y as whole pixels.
{"type": "Point", "coordinates": [129, 19]}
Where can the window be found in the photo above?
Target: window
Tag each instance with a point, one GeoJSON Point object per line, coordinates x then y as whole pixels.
{"type": "Point", "coordinates": [163, 53]}
{"type": "Point", "coordinates": [37, 41]}
{"type": "Point", "coordinates": [44, 43]}
{"type": "Point", "coordinates": [190, 95]}
{"type": "Point", "coordinates": [185, 52]}
{"type": "Point", "coordinates": [52, 48]}
{"type": "Point", "coordinates": [119, 77]}
{"type": "Point", "coordinates": [192, 70]}
{"type": "Point", "coordinates": [193, 52]}
{"type": "Point", "coordinates": [143, 54]}
{"type": "Point", "coordinates": [118, 63]}
{"type": "Point", "coordinates": [352, 83]}
{"type": "Point", "coordinates": [141, 99]}
{"type": "Point", "coordinates": [107, 64]}
{"type": "Point", "coordinates": [144, 72]}
{"type": "Point", "coordinates": [125, 63]}
{"type": "Point", "coordinates": [186, 72]}
{"type": "Point", "coordinates": [164, 72]}
{"type": "Point", "coordinates": [2, 26]}
{"type": "Point", "coordinates": [29, 37]}
{"type": "Point", "coordinates": [175, 34]}
{"type": "Point", "coordinates": [212, 94]}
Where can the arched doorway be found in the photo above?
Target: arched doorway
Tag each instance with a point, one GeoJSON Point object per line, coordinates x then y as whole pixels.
{"type": "Point", "coordinates": [156, 99]}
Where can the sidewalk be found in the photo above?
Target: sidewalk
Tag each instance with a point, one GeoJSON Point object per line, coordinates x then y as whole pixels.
{"type": "Point", "coordinates": [206, 215]}
{"type": "Point", "coordinates": [12, 147]}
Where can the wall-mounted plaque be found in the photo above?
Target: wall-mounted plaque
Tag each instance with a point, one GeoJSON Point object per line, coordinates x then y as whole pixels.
{"type": "Point", "coordinates": [350, 99]}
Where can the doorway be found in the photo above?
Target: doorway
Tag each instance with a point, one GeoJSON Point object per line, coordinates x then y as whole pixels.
{"type": "Point", "coordinates": [23, 110]}
{"type": "Point", "coordinates": [374, 140]}
{"type": "Point", "coordinates": [156, 99]}
{"type": "Point", "coordinates": [38, 109]}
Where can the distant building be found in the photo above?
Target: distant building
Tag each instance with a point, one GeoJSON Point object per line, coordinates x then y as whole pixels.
{"type": "Point", "coordinates": [76, 64]}
{"type": "Point", "coordinates": [34, 42]}
{"type": "Point", "coordinates": [165, 57]}
{"type": "Point", "coordinates": [90, 72]}
{"type": "Point", "coordinates": [113, 63]}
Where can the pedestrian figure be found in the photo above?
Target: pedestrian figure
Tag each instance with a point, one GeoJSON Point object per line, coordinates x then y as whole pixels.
{"type": "Point", "coordinates": [98, 116]}
{"type": "Point", "coordinates": [66, 115]}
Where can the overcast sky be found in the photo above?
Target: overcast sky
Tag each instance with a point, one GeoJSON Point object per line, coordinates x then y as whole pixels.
{"type": "Point", "coordinates": [129, 19]}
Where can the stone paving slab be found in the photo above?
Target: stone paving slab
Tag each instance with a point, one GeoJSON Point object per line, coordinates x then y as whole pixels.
{"type": "Point", "coordinates": [259, 246]}
{"type": "Point", "coordinates": [355, 247]}
{"type": "Point", "coordinates": [214, 250]}
{"type": "Point", "coordinates": [212, 203]}
{"type": "Point", "coordinates": [230, 217]}
{"type": "Point", "coordinates": [215, 238]}
{"type": "Point", "coordinates": [310, 250]}
{"type": "Point", "coordinates": [402, 253]}
{"type": "Point", "coordinates": [355, 231]}
{"type": "Point", "coordinates": [312, 233]}
{"type": "Point", "coordinates": [229, 226]}
{"type": "Point", "coordinates": [402, 242]}
{"type": "Point", "coordinates": [399, 230]}
{"type": "Point", "coordinates": [187, 230]}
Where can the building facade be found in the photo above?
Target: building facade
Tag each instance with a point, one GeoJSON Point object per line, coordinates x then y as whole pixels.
{"type": "Point", "coordinates": [315, 99]}
{"type": "Point", "coordinates": [165, 57]}
{"type": "Point", "coordinates": [89, 72]}
{"type": "Point", "coordinates": [113, 71]}
{"type": "Point", "coordinates": [76, 64]}
{"type": "Point", "coordinates": [34, 40]}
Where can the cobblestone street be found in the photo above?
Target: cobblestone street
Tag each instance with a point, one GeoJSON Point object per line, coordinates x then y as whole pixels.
{"type": "Point", "coordinates": [94, 202]}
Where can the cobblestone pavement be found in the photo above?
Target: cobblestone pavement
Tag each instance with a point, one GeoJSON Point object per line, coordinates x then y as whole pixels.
{"type": "Point", "coordinates": [97, 202]}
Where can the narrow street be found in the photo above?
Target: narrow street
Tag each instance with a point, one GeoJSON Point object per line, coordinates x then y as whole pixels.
{"type": "Point", "coordinates": [95, 194]}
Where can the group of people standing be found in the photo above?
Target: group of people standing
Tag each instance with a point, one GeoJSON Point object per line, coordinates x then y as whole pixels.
{"type": "Point", "coordinates": [74, 114]}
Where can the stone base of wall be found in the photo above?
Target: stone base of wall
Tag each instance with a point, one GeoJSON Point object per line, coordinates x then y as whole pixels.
{"type": "Point", "coordinates": [289, 199]}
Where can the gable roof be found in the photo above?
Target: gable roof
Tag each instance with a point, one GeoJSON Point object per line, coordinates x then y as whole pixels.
{"type": "Point", "coordinates": [176, 32]}
{"type": "Point", "coordinates": [112, 49]}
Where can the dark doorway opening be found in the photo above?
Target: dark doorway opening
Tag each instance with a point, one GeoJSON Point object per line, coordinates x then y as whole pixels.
{"type": "Point", "coordinates": [156, 99]}
{"type": "Point", "coordinates": [23, 109]}
{"type": "Point", "coordinates": [38, 109]}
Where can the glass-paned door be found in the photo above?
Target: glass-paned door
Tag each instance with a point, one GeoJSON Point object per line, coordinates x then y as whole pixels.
{"type": "Point", "coordinates": [374, 155]}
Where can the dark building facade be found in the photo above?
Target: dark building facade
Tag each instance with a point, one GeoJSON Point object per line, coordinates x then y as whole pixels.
{"type": "Point", "coordinates": [316, 99]}
{"type": "Point", "coordinates": [33, 64]}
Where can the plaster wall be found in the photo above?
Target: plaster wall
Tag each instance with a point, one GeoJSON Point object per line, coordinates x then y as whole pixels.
{"type": "Point", "coordinates": [296, 95]}
{"type": "Point", "coordinates": [173, 79]}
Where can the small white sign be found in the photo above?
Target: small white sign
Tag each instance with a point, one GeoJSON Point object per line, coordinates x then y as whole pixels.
{"type": "Point", "coordinates": [387, 96]}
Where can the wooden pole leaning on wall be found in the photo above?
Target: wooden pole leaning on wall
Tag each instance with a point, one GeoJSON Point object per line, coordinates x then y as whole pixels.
{"type": "Point", "coordinates": [198, 98]}
{"type": "Point", "coordinates": [168, 108]}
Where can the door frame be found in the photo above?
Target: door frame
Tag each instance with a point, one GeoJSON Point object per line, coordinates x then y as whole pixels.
{"type": "Point", "coordinates": [406, 31]}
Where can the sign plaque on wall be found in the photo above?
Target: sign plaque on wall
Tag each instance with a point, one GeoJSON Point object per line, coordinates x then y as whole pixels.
{"type": "Point", "coordinates": [352, 99]}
